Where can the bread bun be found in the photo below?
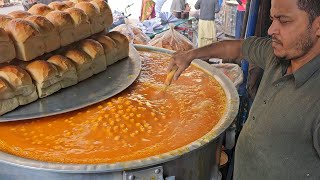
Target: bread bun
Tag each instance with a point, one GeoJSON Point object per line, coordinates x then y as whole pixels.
{"type": "Point", "coordinates": [65, 25]}
{"type": "Point", "coordinates": [7, 51]}
{"type": "Point", "coordinates": [20, 82]}
{"type": "Point", "coordinates": [105, 12]}
{"type": "Point", "coordinates": [45, 76]}
{"type": "Point", "coordinates": [95, 50]}
{"type": "Point", "coordinates": [6, 91]}
{"type": "Point", "coordinates": [59, 6]}
{"type": "Point", "coordinates": [82, 61]}
{"type": "Point", "coordinates": [40, 9]}
{"type": "Point", "coordinates": [79, 1]}
{"type": "Point", "coordinates": [67, 70]}
{"type": "Point", "coordinates": [93, 14]}
{"type": "Point", "coordinates": [8, 102]}
{"type": "Point", "coordinates": [82, 24]}
{"type": "Point", "coordinates": [49, 32]}
{"type": "Point", "coordinates": [19, 14]}
{"type": "Point", "coordinates": [122, 44]}
{"type": "Point", "coordinates": [27, 39]}
{"type": "Point", "coordinates": [109, 47]}
{"type": "Point", "coordinates": [69, 3]}
{"type": "Point", "coordinates": [4, 19]}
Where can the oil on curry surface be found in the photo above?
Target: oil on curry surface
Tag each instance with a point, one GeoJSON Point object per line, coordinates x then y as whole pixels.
{"type": "Point", "coordinates": [140, 122]}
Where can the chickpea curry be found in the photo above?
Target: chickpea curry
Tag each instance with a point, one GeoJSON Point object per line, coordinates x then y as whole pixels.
{"type": "Point", "coordinates": [140, 122]}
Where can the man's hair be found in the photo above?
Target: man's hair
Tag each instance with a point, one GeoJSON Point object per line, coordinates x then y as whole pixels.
{"type": "Point", "coordinates": [311, 7]}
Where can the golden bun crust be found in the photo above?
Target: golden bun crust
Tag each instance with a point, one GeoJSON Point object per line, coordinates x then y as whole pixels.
{"type": "Point", "coordinates": [88, 8]}
{"type": "Point", "coordinates": [57, 5]}
{"type": "Point", "coordinates": [78, 57]}
{"type": "Point", "coordinates": [41, 70]}
{"type": "Point", "coordinates": [44, 25]}
{"type": "Point", "coordinates": [4, 19]}
{"type": "Point", "coordinates": [20, 30]}
{"type": "Point", "coordinates": [115, 35]}
{"type": "Point", "coordinates": [105, 11]}
{"type": "Point", "coordinates": [15, 76]}
{"type": "Point", "coordinates": [69, 3]}
{"type": "Point", "coordinates": [62, 62]}
{"type": "Point", "coordinates": [40, 9]}
{"type": "Point", "coordinates": [91, 47]}
{"type": "Point", "coordinates": [19, 14]}
{"type": "Point", "coordinates": [59, 18]}
{"type": "Point", "coordinates": [77, 15]}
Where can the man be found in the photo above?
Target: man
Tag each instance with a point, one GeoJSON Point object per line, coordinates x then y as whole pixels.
{"type": "Point", "coordinates": [177, 6]}
{"type": "Point", "coordinates": [281, 138]}
{"type": "Point", "coordinates": [147, 10]}
{"type": "Point", "coordinates": [159, 5]}
{"type": "Point", "coordinates": [241, 9]}
{"type": "Point", "coordinates": [207, 28]}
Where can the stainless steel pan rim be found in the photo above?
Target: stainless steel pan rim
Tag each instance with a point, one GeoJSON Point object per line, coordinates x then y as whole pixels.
{"type": "Point", "coordinates": [223, 124]}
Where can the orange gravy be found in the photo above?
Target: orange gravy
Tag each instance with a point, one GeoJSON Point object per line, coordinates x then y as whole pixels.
{"type": "Point", "coordinates": [141, 121]}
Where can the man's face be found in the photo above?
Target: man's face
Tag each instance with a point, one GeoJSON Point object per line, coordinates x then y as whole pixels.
{"type": "Point", "coordinates": [292, 34]}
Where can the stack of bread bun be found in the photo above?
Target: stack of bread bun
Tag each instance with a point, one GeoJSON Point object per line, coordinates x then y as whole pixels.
{"type": "Point", "coordinates": [54, 46]}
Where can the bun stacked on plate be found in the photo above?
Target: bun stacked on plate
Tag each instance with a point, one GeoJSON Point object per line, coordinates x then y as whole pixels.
{"type": "Point", "coordinates": [69, 3]}
{"type": "Point", "coordinates": [8, 101]}
{"type": "Point", "coordinates": [45, 29]}
{"type": "Point", "coordinates": [59, 6]}
{"type": "Point", "coordinates": [109, 47]}
{"type": "Point", "coordinates": [19, 14]}
{"type": "Point", "coordinates": [67, 70]}
{"type": "Point", "coordinates": [65, 25]}
{"type": "Point", "coordinates": [81, 21]}
{"type": "Point", "coordinates": [48, 31]}
{"type": "Point", "coordinates": [4, 19]}
{"type": "Point", "coordinates": [7, 50]}
{"type": "Point", "coordinates": [27, 39]}
{"type": "Point", "coordinates": [122, 44]}
{"type": "Point", "coordinates": [105, 13]}
{"type": "Point", "coordinates": [40, 9]}
{"type": "Point", "coordinates": [20, 82]}
{"type": "Point", "coordinates": [95, 50]}
{"type": "Point", "coordinates": [82, 62]}
{"type": "Point", "coordinates": [93, 14]}
{"type": "Point", "coordinates": [45, 76]}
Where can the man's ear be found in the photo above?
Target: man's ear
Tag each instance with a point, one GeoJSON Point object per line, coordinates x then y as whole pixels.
{"type": "Point", "coordinates": [316, 24]}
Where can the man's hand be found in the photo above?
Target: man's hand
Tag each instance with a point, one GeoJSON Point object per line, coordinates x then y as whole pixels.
{"type": "Point", "coordinates": [181, 61]}
{"type": "Point", "coordinates": [228, 50]}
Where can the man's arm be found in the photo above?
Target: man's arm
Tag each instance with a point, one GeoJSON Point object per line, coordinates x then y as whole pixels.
{"type": "Point", "coordinates": [316, 136]}
{"type": "Point", "coordinates": [216, 6]}
{"type": "Point", "coordinates": [197, 5]}
{"type": "Point", "coordinates": [229, 51]}
{"type": "Point", "coordinates": [239, 2]}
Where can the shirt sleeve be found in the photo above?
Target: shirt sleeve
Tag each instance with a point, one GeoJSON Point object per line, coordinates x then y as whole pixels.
{"type": "Point", "coordinates": [216, 6]}
{"type": "Point", "coordinates": [316, 136]}
{"type": "Point", "coordinates": [257, 50]}
{"type": "Point", "coordinates": [197, 5]}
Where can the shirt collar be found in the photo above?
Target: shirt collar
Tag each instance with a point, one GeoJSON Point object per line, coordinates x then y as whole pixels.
{"type": "Point", "coordinates": [303, 74]}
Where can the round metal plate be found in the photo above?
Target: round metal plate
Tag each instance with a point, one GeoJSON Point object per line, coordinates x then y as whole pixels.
{"type": "Point", "coordinates": [100, 87]}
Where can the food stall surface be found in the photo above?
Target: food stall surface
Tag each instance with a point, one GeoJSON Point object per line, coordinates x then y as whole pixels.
{"type": "Point", "coordinates": [140, 122]}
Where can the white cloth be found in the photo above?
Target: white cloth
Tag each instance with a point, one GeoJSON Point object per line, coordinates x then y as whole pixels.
{"type": "Point", "coordinates": [158, 6]}
{"type": "Point", "coordinates": [206, 32]}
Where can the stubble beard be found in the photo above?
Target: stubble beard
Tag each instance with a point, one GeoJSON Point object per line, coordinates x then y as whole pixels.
{"type": "Point", "coordinates": [303, 45]}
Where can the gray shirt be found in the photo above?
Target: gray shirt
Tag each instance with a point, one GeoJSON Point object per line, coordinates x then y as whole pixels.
{"type": "Point", "coordinates": [177, 5]}
{"type": "Point", "coordinates": [281, 138]}
{"type": "Point", "coordinates": [208, 8]}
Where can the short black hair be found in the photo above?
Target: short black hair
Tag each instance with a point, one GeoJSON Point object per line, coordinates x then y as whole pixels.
{"type": "Point", "coordinates": [311, 7]}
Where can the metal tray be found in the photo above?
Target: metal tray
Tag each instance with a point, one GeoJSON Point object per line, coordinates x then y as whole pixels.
{"type": "Point", "coordinates": [97, 88]}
